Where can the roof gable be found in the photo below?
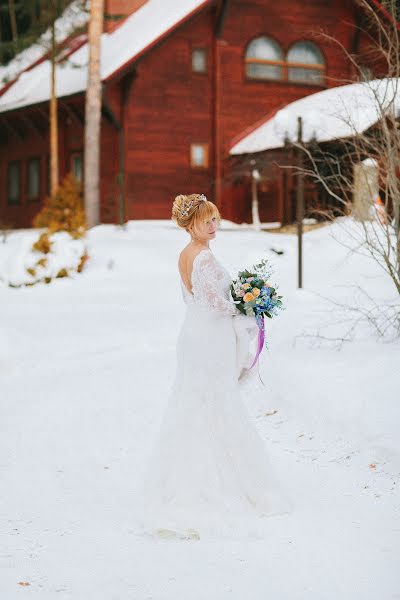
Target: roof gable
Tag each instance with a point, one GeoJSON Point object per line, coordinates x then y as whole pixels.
{"type": "Point", "coordinates": [136, 35]}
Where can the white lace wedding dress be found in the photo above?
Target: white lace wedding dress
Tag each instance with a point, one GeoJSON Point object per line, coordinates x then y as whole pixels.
{"type": "Point", "coordinates": [209, 474]}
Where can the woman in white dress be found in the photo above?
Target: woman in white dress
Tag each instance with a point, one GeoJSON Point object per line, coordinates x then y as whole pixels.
{"type": "Point", "coordinates": [208, 474]}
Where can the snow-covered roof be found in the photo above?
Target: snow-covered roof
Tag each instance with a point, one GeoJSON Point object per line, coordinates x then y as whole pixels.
{"type": "Point", "coordinates": [75, 15]}
{"type": "Point", "coordinates": [136, 34]}
{"type": "Point", "coordinates": [336, 113]}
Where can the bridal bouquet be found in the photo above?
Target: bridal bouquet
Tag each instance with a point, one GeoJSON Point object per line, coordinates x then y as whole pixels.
{"type": "Point", "coordinates": [255, 296]}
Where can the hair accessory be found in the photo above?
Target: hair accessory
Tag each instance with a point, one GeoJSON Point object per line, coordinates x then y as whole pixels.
{"type": "Point", "coordinates": [188, 205]}
{"type": "Point", "coordinates": [186, 208]}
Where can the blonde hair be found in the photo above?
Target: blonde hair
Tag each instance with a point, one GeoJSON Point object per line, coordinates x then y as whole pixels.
{"type": "Point", "coordinates": [188, 211]}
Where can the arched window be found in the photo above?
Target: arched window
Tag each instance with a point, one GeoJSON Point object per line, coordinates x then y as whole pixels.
{"type": "Point", "coordinates": [306, 63]}
{"type": "Point", "coordinates": [264, 59]}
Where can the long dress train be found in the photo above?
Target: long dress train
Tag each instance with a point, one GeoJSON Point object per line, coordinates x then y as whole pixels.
{"type": "Point", "coordinates": [209, 474]}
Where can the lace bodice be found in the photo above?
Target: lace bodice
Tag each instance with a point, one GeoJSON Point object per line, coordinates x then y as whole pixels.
{"type": "Point", "coordinates": [210, 285]}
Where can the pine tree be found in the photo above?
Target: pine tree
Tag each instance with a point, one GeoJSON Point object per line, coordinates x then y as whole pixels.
{"type": "Point", "coordinates": [22, 22]}
{"type": "Point", "coordinates": [43, 15]}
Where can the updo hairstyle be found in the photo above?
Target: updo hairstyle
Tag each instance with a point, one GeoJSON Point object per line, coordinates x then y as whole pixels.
{"type": "Point", "coordinates": [188, 211]}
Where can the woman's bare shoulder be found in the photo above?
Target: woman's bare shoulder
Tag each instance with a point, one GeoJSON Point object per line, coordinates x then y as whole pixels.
{"type": "Point", "coordinates": [189, 253]}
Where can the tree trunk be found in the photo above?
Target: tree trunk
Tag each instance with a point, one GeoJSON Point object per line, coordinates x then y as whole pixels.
{"type": "Point", "coordinates": [53, 117]}
{"type": "Point", "coordinates": [13, 20]}
{"type": "Point", "coordinates": [93, 116]}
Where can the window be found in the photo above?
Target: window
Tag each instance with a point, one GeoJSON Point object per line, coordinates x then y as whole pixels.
{"type": "Point", "coordinates": [33, 178]}
{"type": "Point", "coordinates": [306, 63]}
{"type": "Point", "coordinates": [264, 59]}
{"type": "Point", "coordinates": [77, 166]}
{"type": "Point", "coordinates": [14, 182]}
{"type": "Point", "coordinates": [199, 60]}
{"type": "Point", "coordinates": [199, 155]}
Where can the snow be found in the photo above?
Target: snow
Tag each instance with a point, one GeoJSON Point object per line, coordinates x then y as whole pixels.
{"type": "Point", "coordinates": [136, 33]}
{"type": "Point", "coordinates": [85, 367]}
{"type": "Point", "coordinates": [65, 253]}
{"type": "Point", "coordinates": [33, 86]}
{"type": "Point", "coordinates": [71, 19]}
{"type": "Point", "coordinates": [335, 113]}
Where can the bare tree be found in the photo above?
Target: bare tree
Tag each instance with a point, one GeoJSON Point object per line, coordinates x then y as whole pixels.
{"type": "Point", "coordinates": [361, 174]}
{"type": "Point", "coordinates": [93, 116]}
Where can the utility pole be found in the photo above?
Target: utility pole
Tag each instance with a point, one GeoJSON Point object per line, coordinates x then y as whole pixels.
{"type": "Point", "coordinates": [255, 178]}
{"type": "Point", "coordinates": [300, 203]}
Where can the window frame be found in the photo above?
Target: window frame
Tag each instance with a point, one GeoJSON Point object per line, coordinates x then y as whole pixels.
{"type": "Point", "coordinates": [264, 61]}
{"type": "Point", "coordinates": [285, 64]}
{"type": "Point", "coordinates": [28, 162]}
{"type": "Point", "coordinates": [18, 201]}
{"type": "Point", "coordinates": [205, 147]}
{"type": "Point", "coordinates": [308, 66]}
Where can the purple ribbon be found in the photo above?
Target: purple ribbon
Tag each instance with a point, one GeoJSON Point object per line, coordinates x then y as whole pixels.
{"type": "Point", "coordinates": [261, 337]}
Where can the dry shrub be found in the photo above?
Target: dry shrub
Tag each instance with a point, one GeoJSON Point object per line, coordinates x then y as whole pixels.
{"type": "Point", "coordinates": [64, 211]}
{"type": "Point", "coordinates": [43, 244]}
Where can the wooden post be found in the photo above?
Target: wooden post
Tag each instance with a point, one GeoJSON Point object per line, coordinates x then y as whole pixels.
{"type": "Point", "coordinates": [300, 202]}
{"type": "Point", "coordinates": [54, 168]}
{"type": "Point", "coordinates": [255, 178]}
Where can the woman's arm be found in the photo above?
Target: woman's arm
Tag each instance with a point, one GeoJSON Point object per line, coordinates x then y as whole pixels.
{"type": "Point", "coordinates": [206, 286]}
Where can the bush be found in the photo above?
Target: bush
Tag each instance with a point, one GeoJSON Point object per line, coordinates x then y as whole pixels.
{"type": "Point", "coordinates": [43, 244]}
{"type": "Point", "coordinates": [64, 211]}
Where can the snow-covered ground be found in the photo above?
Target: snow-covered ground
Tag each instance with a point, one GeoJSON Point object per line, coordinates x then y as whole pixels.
{"type": "Point", "coordinates": [85, 367]}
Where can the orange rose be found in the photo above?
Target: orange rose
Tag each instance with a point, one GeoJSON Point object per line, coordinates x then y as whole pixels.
{"type": "Point", "coordinates": [248, 297]}
{"type": "Point", "coordinates": [256, 292]}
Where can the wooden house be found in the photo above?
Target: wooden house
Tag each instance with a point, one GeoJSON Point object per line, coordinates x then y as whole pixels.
{"type": "Point", "coordinates": [182, 80]}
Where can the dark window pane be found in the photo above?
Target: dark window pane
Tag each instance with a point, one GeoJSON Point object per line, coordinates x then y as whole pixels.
{"type": "Point", "coordinates": [14, 183]}
{"type": "Point", "coordinates": [77, 166]}
{"type": "Point", "coordinates": [33, 178]}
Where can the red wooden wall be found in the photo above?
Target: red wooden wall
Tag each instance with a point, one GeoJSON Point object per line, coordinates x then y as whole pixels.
{"type": "Point", "coordinates": [26, 136]}
{"type": "Point", "coordinates": [169, 108]}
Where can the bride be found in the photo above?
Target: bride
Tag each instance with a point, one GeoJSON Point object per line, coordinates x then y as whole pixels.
{"type": "Point", "coordinates": [208, 474]}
